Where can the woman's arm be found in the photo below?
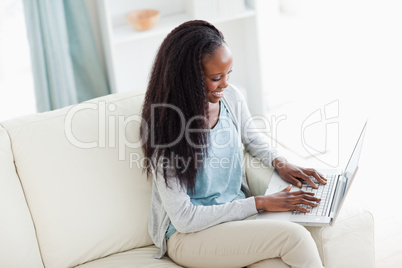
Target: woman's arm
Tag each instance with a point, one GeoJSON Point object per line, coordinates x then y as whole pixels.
{"type": "Point", "coordinates": [257, 144]}
{"type": "Point", "coordinates": [293, 174]}
{"type": "Point", "coordinates": [187, 217]}
{"type": "Point", "coordinates": [286, 201]}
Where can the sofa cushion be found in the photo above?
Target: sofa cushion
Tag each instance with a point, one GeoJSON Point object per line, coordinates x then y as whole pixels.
{"type": "Point", "coordinates": [18, 244]}
{"type": "Point", "coordinates": [139, 257]}
{"type": "Point", "coordinates": [87, 199]}
{"type": "Point", "coordinates": [258, 174]}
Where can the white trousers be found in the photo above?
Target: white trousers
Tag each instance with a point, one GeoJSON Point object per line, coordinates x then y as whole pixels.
{"type": "Point", "coordinates": [245, 243]}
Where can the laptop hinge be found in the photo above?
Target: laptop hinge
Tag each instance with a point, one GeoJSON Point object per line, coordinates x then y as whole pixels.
{"type": "Point", "coordinates": [339, 192]}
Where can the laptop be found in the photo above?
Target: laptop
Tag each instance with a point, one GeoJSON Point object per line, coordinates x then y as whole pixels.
{"type": "Point", "coordinates": [332, 194]}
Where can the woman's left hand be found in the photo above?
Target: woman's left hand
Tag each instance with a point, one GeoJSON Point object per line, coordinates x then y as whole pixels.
{"type": "Point", "coordinates": [294, 174]}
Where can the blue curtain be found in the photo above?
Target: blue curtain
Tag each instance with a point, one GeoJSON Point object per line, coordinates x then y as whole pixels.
{"type": "Point", "coordinates": [65, 62]}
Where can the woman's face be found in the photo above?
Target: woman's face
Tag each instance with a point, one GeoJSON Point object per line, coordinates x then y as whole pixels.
{"type": "Point", "coordinates": [217, 70]}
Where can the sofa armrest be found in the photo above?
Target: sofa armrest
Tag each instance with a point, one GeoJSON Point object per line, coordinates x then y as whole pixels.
{"type": "Point", "coordinates": [349, 242]}
{"type": "Point", "coordinates": [258, 175]}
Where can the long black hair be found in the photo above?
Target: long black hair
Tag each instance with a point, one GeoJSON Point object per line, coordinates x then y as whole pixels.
{"type": "Point", "coordinates": [176, 95]}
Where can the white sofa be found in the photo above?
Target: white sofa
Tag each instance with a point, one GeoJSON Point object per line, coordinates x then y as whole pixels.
{"type": "Point", "coordinates": [73, 194]}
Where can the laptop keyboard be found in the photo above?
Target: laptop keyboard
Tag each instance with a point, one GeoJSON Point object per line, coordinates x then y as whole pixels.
{"type": "Point", "coordinates": [323, 192]}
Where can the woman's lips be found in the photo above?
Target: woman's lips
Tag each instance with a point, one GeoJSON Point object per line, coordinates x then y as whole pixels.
{"type": "Point", "coordinates": [217, 94]}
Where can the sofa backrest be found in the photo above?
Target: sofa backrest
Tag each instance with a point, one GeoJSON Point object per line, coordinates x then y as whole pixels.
{"type": "Point", "coordinates": [18, 244]}
{"type": "Point", "coordinates": [80, 168]}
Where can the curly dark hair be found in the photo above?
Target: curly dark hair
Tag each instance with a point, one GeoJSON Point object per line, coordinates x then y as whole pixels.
{"type": "Point", "coordinates": [176, 95]}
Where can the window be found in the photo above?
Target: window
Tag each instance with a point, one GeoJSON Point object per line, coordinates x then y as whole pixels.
{"type": "Point", "coordinates": [17, 95]}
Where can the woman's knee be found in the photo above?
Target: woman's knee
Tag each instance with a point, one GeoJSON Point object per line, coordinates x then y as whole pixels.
{"type": "Point", "coordinates": [290, 228]}
{"type": "Point", "coordinates": [298, 230]}
{"type": "Point", "coordinates": [298, 235]}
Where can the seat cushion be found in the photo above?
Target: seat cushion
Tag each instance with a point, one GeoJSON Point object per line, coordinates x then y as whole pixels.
{"type": "Point", "coordinates": [88, 196]}
{"type": "Point", "coordinates": [139, 257]}
{"type": "Point", "coordinates": [142, 257]}
{"type": "Point", "coordinates": [18, 244]}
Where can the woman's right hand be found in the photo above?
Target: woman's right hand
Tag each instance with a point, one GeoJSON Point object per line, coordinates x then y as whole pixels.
{"type": "Point", "coordinates": [286, 201]}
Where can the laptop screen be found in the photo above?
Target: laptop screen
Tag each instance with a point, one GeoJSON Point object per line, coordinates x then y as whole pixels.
{"type": "Point", "coordinates": [354, 159]}
{"type": "Point", "coordinates": [348, 175]}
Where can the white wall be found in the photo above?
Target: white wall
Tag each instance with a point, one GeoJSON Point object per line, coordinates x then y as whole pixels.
{"type": "Point", "coordinates": [350, 51]}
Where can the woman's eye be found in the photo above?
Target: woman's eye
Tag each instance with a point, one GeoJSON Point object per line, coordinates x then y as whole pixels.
{"type": "Point", "coordinates": [218, 78]}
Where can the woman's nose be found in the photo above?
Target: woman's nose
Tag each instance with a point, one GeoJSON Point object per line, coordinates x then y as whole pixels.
{"type": "Point", "coordinates": [225, 82]}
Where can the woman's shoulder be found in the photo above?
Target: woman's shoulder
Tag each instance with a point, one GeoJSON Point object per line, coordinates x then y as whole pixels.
{"type": "Point", "coordinates": [233, 94]}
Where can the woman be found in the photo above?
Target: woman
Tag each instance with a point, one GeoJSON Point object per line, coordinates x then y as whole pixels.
{"type": "Point", "coordinates": [196, 125]}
